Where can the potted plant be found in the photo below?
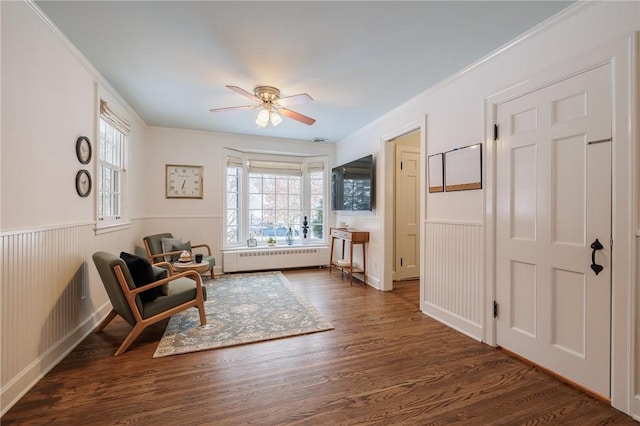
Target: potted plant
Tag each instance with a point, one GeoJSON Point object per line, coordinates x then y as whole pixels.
{"type": "Point", "coordinates": [271, 241]}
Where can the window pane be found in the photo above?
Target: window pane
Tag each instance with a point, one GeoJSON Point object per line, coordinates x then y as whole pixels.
{"type": "Point", "coordinates": [269, 201]}
{"type": "Point", "coordinates": [255, 201]}
{"type": "Point", "coordinates": [268, 185]}
{"type": "Point", "coordinates": [232, 201]}
{"type": "Point", "coordinates": [232, 184]}
{"type": "Point", "coordinates": [294, 185]}
{"type": "Point", "coordinates": [255, 184]}
{"type": "Point", "coordinates": [232, 217]}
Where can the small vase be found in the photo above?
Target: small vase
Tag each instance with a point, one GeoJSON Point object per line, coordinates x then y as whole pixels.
{"type": "Point", "coordinates": [289, 237]}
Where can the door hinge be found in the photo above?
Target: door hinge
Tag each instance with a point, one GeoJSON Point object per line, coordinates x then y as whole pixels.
{"type": "Point", "coordinates": [495, 132]}
{"type": "Point", "coordinates": [495, 309]}
{"type": "Point", "coordinates": [401, 165]}
{"type": "Point", "coordinates": [611, 242]}
{"type": "Point", "coordinates": [400, 261]}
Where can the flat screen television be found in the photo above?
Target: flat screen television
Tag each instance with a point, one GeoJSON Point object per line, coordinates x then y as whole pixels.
{"type": "Point", "coordinates": [353, 186]}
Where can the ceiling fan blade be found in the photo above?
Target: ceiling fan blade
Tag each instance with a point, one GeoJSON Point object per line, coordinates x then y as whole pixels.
{"type": "Point", "coordinates": [297, 116]}
{"type": "Point", "coordinates": [236, 108]}
{"type": "Point", "coordinates": [245, 93]}
{"type": "Point", "coordinates": [295, 99]}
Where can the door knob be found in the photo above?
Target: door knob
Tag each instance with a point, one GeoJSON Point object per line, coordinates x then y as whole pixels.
{"type": "Point", "coordinates": [596, 245]}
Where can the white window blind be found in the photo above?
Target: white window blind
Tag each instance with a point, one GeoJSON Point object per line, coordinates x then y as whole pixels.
{"type": "Point", "coordinates": [114, 119]}
{"type": "Point", "coordinates": [275, 168]}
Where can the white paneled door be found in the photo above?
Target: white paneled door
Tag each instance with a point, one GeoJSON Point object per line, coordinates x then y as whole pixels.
{"type": "Point", "coordinates": [553, 238]}
{"type": "Point", "coordinates": [407, 213]}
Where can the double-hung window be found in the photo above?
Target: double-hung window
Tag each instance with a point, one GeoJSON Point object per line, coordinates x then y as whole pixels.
{"type": "Point", "coordinates": [111, 168]}
{"type": "Point", "coordinates": [270, 196]}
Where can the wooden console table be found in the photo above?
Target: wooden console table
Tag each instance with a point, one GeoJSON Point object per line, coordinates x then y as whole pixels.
{"type": "Point", "coordinates": [354, 238]}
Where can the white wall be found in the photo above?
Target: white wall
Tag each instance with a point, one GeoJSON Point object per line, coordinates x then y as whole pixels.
{"type": "Point", "coordinates": [51, 296]}
{"type": "Point", "coordinates": [452, 115]}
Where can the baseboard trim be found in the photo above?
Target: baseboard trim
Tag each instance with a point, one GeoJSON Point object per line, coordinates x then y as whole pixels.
{"type": "Point", "coordinates": [452, 320]}
{"type": "Point", "coordinates": [15, 389]}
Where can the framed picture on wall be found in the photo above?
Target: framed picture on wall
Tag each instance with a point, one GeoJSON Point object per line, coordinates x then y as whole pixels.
{"type": "Point", "coordinates": [463, 168]}
{"type": "Point", "coordinates": [435, 167]}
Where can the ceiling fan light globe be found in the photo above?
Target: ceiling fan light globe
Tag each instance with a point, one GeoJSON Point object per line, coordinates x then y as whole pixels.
{"type": "Point", "coordinates": [261, 123]}
{"type": "Point", "coordinates": [263, 118]}
{"type": "Point", "coordinates": [263, 115]}
{"type": "Point", "coordinates": [275, 119]}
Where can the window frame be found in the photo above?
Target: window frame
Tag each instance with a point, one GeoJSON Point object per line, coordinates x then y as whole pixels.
{"type": "Point", "coordinates": [243, 191]}
{"type": "Point", "coordinates": [121, 220]}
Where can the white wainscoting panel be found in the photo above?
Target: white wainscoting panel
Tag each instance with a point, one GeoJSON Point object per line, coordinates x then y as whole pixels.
{"type": "Point", "coordinates": [51, 298]}
{"type": "Point", "coordinates": [453, 285]}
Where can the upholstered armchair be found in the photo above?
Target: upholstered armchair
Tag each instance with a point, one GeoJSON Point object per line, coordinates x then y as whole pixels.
{"type": "Point", "coordinates": [143, 305]}
{"type": "Point", "coordinates": [153, 244]}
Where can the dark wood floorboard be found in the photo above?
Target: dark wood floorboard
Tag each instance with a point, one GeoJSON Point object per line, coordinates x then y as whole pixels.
{"type": "Point", "coordinates": [385, 363]}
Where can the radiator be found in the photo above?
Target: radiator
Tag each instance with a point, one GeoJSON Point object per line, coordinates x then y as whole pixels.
{"type": "Point", "coordinates": [274, 258]}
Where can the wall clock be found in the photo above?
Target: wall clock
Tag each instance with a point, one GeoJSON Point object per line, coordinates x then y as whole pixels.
{"type": "Point", "coordinates": [183, 181]}
{"type": "Point", "coordinates": [83, 149]}
{"type": "Point", "coordinates": [83, 183]}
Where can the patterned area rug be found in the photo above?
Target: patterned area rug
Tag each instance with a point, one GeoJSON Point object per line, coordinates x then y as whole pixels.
{"type": "Point", "coordinates": [242, 308]}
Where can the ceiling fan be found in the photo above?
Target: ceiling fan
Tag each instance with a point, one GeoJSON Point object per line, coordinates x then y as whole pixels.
{"type": "Point", "coordinates": [271, 105]}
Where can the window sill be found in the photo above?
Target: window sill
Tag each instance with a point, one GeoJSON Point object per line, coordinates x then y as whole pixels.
{"type": "Point", "coordinates": [277, 246]}
{"type": "Point", "coordinates": [112, 227]}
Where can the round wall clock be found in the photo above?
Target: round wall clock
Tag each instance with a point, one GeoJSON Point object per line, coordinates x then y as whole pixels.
{"type": "Point", "coordinates": [83, 149]}
{"type": "Point", "coordinates": [83, 183]}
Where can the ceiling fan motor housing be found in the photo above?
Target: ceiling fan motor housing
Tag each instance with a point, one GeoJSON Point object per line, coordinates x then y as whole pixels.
{"type": "Point", "coordinates": [268, 94]}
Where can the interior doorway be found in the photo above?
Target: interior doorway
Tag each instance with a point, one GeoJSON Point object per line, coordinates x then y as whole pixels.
{"type": "Point", "coordinates": [406, 211]}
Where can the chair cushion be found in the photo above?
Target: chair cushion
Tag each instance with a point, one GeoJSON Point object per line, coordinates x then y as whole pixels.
{"type": "Point", "coordinates": [181, 290]}
{"type": "Point", "coordinates": [160, 274]}
{"type": "Point", "coordinates": [167, 246]}
{"type": "Point", "coordinates": [183, 246]}
{"type": "Point", "coordinates": [210, 259]}
{"type": "Point", "coordinates": [154, 242]}
{"type": "Point", "coordinates": [142, 274]}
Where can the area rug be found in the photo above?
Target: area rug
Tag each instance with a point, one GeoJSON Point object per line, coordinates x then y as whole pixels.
{"type": "Point", "coordinates": [242, 308]}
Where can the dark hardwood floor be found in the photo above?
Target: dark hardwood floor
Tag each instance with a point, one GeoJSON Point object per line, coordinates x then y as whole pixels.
{"type": "Point", "coordinates": [385, 363]}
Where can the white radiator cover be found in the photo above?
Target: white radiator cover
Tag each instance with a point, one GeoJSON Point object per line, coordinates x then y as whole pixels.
{"type": "Point", "coordinates": [274, 258]}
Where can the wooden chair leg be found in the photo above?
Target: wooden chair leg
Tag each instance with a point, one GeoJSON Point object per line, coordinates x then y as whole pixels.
{"type": "Point", "coordinates": [106, 321]}
{"type": "Point", "coordinates": [203, 317]}
{"type": "Point", "coordinates": [133, 334]}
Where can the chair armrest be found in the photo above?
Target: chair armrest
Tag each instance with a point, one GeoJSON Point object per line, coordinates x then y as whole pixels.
{"type": "Point", "coordinates": [162, 255]}
{"type": "Point", "coordinates": [165, 266]}
{"type": "Point", "coordinates": [205, 246]}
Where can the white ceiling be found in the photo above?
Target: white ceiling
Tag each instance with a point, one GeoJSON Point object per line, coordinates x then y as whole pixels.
{"type": "Point", "coordinates": [171, 60]}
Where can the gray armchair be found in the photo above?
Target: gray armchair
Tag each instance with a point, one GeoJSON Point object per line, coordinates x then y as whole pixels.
{"type": "Point", "coordinates": [153, 246]}
{"type": "Point", "coordinates": [185, 291]}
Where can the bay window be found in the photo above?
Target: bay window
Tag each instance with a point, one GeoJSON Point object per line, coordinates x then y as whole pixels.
{"type": "Point", "coordinates": [268, 195]}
